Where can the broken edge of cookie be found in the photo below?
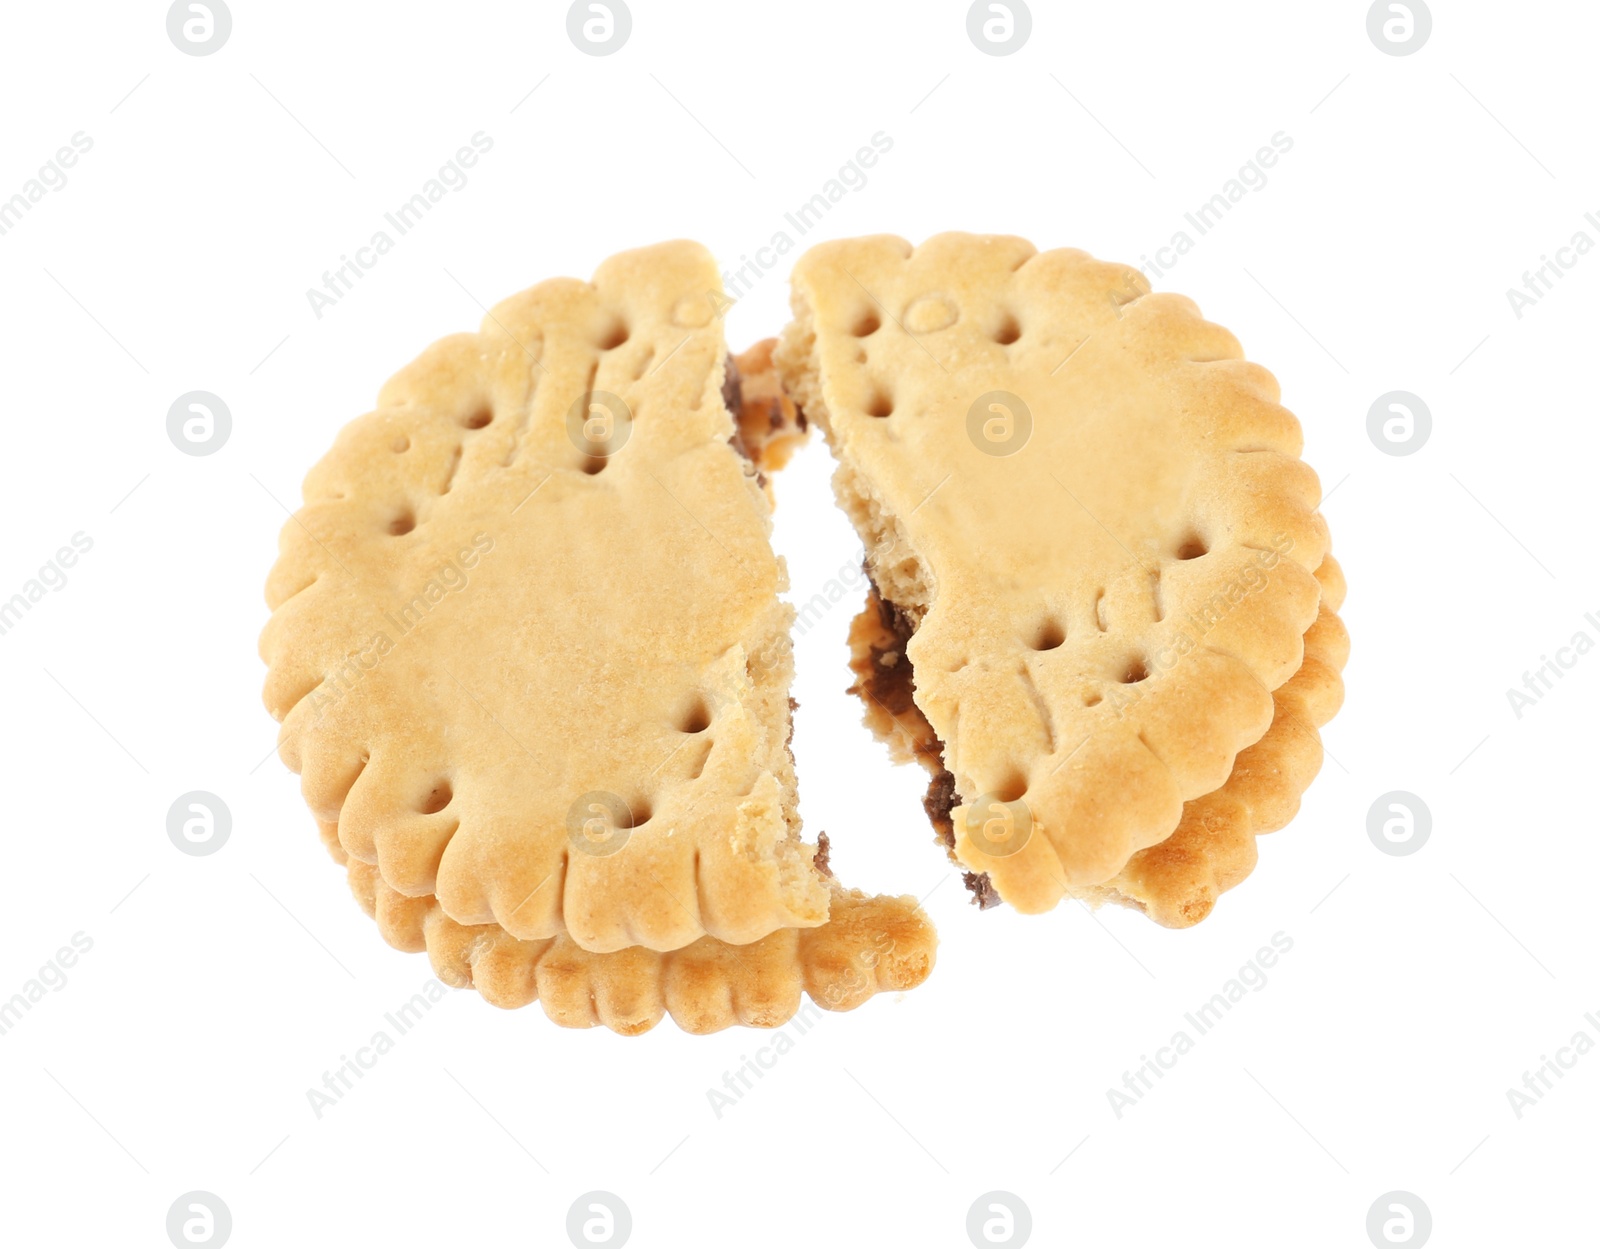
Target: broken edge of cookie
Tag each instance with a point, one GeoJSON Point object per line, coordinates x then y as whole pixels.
{"type": "Point", "coordinates": [886, 684]}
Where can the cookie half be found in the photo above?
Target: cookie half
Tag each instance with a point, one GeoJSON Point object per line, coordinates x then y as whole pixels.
{"type": "Point", "coordinates": [526, 641]}
{"type": "Point", "coordinates": [1088, 514]}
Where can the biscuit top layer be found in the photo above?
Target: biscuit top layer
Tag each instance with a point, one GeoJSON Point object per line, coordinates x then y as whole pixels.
{"type": "Point", "coordinates": [507, 593]}
{"type": "Point", "coordinates": [1092, 508]}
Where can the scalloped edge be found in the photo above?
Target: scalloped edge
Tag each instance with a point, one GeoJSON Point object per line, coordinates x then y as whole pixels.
{"type": "Point", "coordinates": [869, 945]}
{"type": "Point", "coordinates": [1177, 881]}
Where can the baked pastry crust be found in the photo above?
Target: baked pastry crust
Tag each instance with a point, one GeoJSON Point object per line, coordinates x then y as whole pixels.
{"type": "Point", "coordinates": [869, 945]}
{"type": "Point", "coordinates": [492, 618]}
{"type": "Point", "coordinates": [1102, 616]}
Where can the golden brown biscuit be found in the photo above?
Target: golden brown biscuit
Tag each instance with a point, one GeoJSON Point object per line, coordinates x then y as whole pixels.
{"type": "Point", "coordinates": [1089, 512]}
{"type": "Point", "coordinates": [526, 640]}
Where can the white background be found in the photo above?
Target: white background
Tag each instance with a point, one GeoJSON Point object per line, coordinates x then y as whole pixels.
{"type": "Point", "coordinates": [1418, 990]}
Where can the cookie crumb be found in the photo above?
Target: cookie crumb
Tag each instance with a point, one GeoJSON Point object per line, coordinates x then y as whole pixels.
{"type": "Point", "coordinates": [982, 888]}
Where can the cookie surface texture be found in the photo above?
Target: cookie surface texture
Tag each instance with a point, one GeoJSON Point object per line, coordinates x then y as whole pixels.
{"type": "Point", "coordinates": [526, 643]}
{"type": "Point", "coordinates": [1091, 514]}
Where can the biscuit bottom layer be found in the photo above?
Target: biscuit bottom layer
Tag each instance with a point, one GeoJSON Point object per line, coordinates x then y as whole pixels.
{"type": "Point", "coordinates": [868, 945]}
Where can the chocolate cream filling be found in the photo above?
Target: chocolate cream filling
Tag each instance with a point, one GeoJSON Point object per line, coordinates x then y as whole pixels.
{"type": "Point", "coordinates": [763, 415]}
{"type": "Point", "coordinates": [890, 682]}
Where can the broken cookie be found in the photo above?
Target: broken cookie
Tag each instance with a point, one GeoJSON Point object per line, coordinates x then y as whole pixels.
{"type": "Point", "coordinates": [1097, 560]}
{"type": "Point", "coordinates": [527, 647]}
